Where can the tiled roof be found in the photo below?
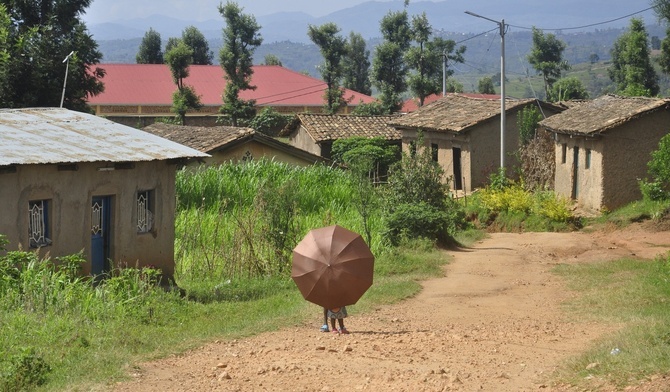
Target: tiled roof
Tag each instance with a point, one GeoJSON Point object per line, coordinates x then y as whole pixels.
{"type": "Point", "coordinates": [456, 113]}
{"type": "Point", "coordinates": [212, 139]}
{"type": "Point", "coordinates": [151, 84]}
{"type": "Point", "coordinates": [323, 127]}
{"type": "Point", "coordinates": [601, 114]}
{"type": "Point", "coordinates": [205, 139]}
{"type": "Point", "coordinates": [412, 104]}
{"type": "Point", "coordinates": [53, 135]}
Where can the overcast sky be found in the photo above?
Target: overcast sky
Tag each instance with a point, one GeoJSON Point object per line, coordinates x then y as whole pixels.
{"type": "Point", "coordinates": [199, 10]}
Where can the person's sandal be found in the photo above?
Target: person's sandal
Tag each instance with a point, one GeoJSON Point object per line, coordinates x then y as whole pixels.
{"type": "Point", "coordinates": [336, 332]}
{"type": "Point", "coordinates": [344, 331]}
{"type": "Point", "coordinates": [324, 328]}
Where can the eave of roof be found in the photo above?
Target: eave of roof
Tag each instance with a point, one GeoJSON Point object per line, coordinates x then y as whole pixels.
{"type": "Point", "coordinates": [602, 114]}
{"type": "Point", "coordinates": [54, 135]}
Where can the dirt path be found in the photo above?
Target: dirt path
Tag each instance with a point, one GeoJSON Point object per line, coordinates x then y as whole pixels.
{"type": "Point", "coordinates": [493, 323]}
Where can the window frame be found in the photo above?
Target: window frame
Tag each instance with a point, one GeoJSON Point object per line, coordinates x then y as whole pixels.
{"type": "Point", "coordinates": [145, 201]}
{"type": "Point", "coordinates": [39, 213]}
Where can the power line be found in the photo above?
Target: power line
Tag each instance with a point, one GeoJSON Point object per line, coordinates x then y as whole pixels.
{"type": "Point", "coordinates": [475, 36]}
{"type": "Point", "coordinates": [589, 25]}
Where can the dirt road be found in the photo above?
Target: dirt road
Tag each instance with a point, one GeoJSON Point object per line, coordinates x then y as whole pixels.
{"type": "Point", "coordinates": [493, 323]}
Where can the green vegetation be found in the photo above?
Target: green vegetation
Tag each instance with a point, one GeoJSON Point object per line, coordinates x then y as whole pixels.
{"type": "Point", "coordinates": [634, 294]}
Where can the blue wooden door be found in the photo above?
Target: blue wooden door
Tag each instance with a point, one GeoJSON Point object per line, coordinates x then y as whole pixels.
{"type": "Point", "coordinates": [100, 234]}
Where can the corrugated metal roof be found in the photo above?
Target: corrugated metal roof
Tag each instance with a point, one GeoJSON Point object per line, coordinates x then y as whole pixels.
{"type": "Point", "coordinates": [53, 135]}
{"type": "Point", "coordinates": [152, 84]}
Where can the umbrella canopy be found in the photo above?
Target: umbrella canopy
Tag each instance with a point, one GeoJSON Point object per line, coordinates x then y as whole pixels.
{"type": "Point", "coordinates": [332, 267]}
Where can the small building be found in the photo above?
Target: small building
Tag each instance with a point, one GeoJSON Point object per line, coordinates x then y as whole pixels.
{"type": "Point", "coordinates": [463, 133]}
{"type": "Point", "coordinates": [317, 132]}
{"type": "Point", "coordinates": [603, 147]}
{"type": "Point", "coordinates": [233, 144]}
{"type": "Point", "coordinates": [138, 94]}
{"type": "Point", "coordinates": [73, 182]}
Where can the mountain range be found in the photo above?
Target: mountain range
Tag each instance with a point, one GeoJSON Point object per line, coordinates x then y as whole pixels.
{"type": "Point", "coordinates": [448, 16]}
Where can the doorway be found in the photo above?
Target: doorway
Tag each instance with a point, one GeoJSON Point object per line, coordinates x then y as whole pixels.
{"type": "Point", "coordinates": [100, 234]}
{"type": "Point", "coordinates": [458, 171]}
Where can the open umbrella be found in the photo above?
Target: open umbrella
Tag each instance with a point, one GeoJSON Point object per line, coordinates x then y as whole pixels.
{"type": "Point", "coordinates": [332, 267]}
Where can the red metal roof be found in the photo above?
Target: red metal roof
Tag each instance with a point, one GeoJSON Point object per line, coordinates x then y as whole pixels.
{"type": "Point", "coordinates": [151, 84]}
{"type": "Point", "coordinates": [412, 104]}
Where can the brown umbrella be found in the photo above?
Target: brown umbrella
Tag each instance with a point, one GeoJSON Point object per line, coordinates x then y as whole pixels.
{"type": "Point", "coordinates": [332, 267]}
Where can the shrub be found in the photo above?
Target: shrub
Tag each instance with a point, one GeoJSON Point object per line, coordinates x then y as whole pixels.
{"type": "Point", "coordinates": [652, 190]}
{"type": "Point", "coordinates": [659, 165]}
{"type": "Point", "coordinates": [27, 370]}
{"type": "Point", "coordinates": [420, 220]}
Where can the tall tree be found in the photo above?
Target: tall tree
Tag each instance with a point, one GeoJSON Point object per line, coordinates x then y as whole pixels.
{"type": "Point", "coordinates": [568, 88]}
{"type": "Point", "coordinates": [40, 35]}
{"type": "Point", "coordinates": [631, 67]}
{"type": "Point", "coordinates": [195, 40]}
{"type": "Point", "coordinates": [271, 59]}
{"type": "Point", "coordinates": [241, 37]}
{"type": "Point", "coordinates": [389, 70]}
{"type": "Point", "coordinates": [485, 85]}
{"type": "Point", "coordinates": [333, 49]}
{"type": "Point", "coordinates": [357, 65]}
{"type": "Point", "coordinates": [178, 59]}
{"type": "Point", "coordinates": [546, 57]}
{"type": "Point", "coordinates": [150, 48]}
{"type": "Point", "coordinates": [425, 59]}
{"type": "Point", "coordinates": [171, 43]}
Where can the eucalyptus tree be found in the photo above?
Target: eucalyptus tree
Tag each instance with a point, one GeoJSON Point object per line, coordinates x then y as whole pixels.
{"type": "Point", "coordinates": [150, 51]}
{"type": "Point", "coordinates": [389, 69]}
{"type": "Point", "coordinates": [241, 37]}
{"type": "Point", "coordinates": [179, 59]}
{"type": "Point", "coordinates": [568, 88]}
{"type": "Point", "coordinates": [38, 36]}
{"type": "Point", "coordinates": [357, 65]}
{"type": "Point", "coordinates": [631, 68]}
{"type": "Point", "coordinates": [485, 85]}
{"type": "Point", "coordinates": [546, 57]}
{"type": "Point", "coordinates": [333, 49]}
{"type": "Point", "coordinates": [425, 58]}
{"type": "Point", "coordinates": [271, 59]}
{"type": "Point", "coordinates": [195, 40]}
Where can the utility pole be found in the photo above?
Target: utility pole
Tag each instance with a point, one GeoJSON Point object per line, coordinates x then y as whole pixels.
{"type": "Point", "coordinates": [501, 25]}
{"type": "Point", "coordinates": [67, 66]}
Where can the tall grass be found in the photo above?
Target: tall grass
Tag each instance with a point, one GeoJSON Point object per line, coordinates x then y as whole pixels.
{"type": "Point", "coordinates": [238, 223]}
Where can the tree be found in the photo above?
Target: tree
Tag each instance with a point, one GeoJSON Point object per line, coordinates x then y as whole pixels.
{"type": "Point", "coordinates": [568, 88]}
{"type": "Point", "coordinates": [38, 36]}
{"type": "Point", "coordinates": [271, 59]}
{"type": "Point", "coordinates": [454, 86]}
{"type": "Point", "coordinates": [241, 37]}
{"type": "Point", "coordinates": [179, 58]}
{"type": "Point", "coordinates": [664, 59]}
{"type": "Point", "coordinates": [389, 70]}
{"type": "Point", "coordinates": [631, 67]}
{"type": "Point", "coordinates": [357, 65]}
{"type": "Point", "coordinates": [426, 59]}
{"type": "Point", "coordinates": [546, 57]}
{"type": "Point", "coordinates": [485, 85]}
{"type": "Point", "coordinates": [194, 39]}
{"type": "Point", "coordinates": [333, 49]}
{"type": "Point", "coordinates": [171, 43]}
{"type": "Point", "coordinates": [150, 48]}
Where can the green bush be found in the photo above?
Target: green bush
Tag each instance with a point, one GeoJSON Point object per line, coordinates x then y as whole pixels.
{"type": "Point", "coordinates": [659, 165]}
{"type": "Point", "coordinates": [653, 190]}
{"type": "Point", "coordinates": [26, 371]}
{"type": "Point", "coordinates": [420, 220]}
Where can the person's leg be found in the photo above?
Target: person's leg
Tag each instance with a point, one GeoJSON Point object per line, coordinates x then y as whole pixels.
{"type": "Point", "coordinates": [332, 323]}
{"type": "Point", "coordinates": [342, 329]}
{"type": "Point", "coordinates": [324, 327]}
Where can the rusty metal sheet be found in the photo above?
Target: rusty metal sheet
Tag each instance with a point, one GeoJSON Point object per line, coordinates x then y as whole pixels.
{"type": "Point", "coordinates": [54, 135]}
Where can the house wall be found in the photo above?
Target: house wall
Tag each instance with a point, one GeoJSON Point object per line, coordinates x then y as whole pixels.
{"type": "Point", "coordinates": [70, 194]}
{"type": "Point", "coordinates": [619, 159]}
{"type": "Point", "coordinates": [302, 140]}
{"type": "Point", "coordinates": [253, 150]}
{"type": "Point", "coordinates": [587, 186]}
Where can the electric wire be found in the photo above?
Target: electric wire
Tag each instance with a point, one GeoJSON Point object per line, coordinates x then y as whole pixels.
{"type": "Point", "coordinates": [585, 26]}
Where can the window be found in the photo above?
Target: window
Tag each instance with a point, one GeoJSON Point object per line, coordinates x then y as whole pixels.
{"type": "Point", "coordinates": [434, 151]}
{"type": "Point", "coordinates": [587, 163]}
{"type": "Point", "coordinates": [145, 211]}
{"type": "Point", "coordinates": [412, 148]}
{"type": "Point", "coordinates": [38, 226]}
{"type": "Point", "coordinates": [564, 152]}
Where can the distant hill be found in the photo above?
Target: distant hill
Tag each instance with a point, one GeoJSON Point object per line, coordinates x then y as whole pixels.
{"type": "Point", "coordinates": [285, 34]}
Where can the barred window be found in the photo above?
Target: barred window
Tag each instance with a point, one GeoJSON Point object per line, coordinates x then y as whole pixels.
{"type": "Point", "coordinates": [145, 213]}
{"type": "Point", "coordinates": [588, 158]}
{"type": "Point", "coordinates": [38, 225]}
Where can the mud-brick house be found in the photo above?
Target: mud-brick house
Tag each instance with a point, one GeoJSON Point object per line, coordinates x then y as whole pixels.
{"type": "Point", "coordinates": [603, 146]}
{"type": "Point", "coordinates": [232, 144]}
{"type": "Point", "coordinates": [317, 132]}
{"type": "Point", "coordinates": [463, 133]}
{"type": "Point", "coordinates": [72, 182]}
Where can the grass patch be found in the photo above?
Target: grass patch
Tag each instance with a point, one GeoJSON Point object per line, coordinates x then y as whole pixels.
{"type": "Point", "coordinates": [634, 294]}
{"type": "Point", "coordinates": [637, 211]}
